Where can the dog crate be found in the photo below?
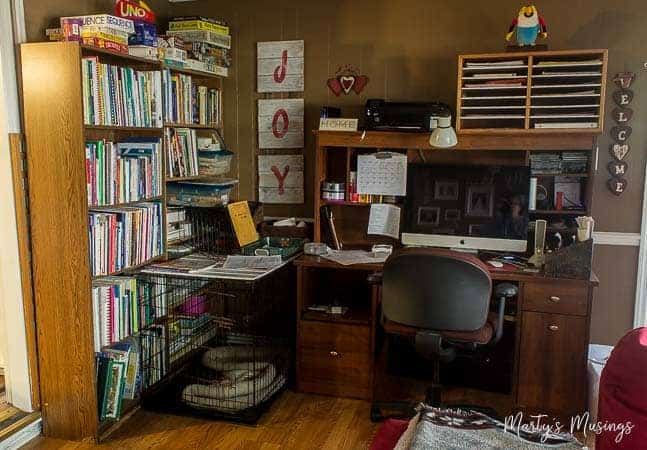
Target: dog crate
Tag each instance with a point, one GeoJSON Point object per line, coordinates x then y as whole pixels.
{"type": "Point", "coordinates": [219, 348]}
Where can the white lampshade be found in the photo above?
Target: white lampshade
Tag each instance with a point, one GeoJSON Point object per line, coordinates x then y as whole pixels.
{"type": "Point", "coordinates": [444, 136]}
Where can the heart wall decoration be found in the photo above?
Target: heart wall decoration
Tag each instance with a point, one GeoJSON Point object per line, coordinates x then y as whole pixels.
{"type": "Point", "coordinates": [346, 80]}
{"type": "Point", "coordinates": [620, 133]}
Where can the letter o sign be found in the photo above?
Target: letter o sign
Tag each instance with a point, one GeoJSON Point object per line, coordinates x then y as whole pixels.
{"type": "Point", "coordinates": [280, 123]}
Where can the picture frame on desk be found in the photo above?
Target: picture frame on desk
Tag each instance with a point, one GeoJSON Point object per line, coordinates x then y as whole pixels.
{"type": "Point", "coordinates": [446, 190]}
{"type": "Point", "coordinates": [428, 215]}
{"type": "Point", "coordinates": [452, 215]}
{"type": "Point", "coordinates": [480, 201]}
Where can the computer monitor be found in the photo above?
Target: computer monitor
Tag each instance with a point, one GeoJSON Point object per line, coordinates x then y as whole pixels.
{"type": "Point", "coordinates": [467, 207]}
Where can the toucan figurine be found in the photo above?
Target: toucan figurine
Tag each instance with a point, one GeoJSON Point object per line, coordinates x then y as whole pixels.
{"type": "Point", "coordinates": [528, 24]}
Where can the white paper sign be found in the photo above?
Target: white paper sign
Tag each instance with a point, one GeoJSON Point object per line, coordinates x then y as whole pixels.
{"type": "Point", "coordinates": [382, 173]}
{"type": "Point", "coordinates": [338, 124]}
{"type": "Point", "coordinates": [384, 220]}
{"type": "Point", "coordinates": [280, 179]}
{"type": "Point", "coordinates": [280, 123]}
{"type": "Point", "coordinates": [280, 66]}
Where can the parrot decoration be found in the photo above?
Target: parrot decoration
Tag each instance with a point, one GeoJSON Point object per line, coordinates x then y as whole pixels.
{"type": "Point", "coordinates": [528, 24]}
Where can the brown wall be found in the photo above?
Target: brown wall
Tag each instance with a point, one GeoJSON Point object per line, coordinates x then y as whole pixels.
{"type": "Point", "coordinates": [408, 49]}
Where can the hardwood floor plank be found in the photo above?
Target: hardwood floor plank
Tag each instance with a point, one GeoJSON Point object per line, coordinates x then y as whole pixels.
{"type": "Point", "coordinates": [294, 421]}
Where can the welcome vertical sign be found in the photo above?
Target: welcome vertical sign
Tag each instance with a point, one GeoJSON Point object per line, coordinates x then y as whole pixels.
{"type": "Point", "coordinates": [280, 69]}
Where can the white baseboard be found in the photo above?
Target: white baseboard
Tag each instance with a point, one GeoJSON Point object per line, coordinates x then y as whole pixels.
{"type": "Point", "coordinates": [22, 437]}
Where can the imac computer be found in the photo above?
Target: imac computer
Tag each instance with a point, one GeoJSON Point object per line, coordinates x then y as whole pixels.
{"type": "Point", "coordinates": [467, 208]}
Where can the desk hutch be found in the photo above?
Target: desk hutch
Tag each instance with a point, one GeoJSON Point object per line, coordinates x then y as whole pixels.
{"type": "Point", "coordinates": [550, 323]}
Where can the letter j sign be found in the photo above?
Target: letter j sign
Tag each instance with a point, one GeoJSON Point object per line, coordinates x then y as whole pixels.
{"type": "Point", "coordinates": [280, 66]}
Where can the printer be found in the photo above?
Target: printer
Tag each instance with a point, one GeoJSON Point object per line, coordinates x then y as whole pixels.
{"type": "Point", "coordinates": [380, 115]}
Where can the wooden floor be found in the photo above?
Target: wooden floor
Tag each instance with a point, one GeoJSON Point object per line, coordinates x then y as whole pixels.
{"type": "Point", "coordinates": [294, 421]}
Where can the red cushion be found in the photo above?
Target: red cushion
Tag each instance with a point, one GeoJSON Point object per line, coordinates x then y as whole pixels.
{"type": "Point", "coordinates": [388, 434]}
{"type": "Point", "coordinates": [623, 394]}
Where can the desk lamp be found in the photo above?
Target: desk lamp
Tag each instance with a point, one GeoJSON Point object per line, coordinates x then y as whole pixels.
{"type": "Point", "coordinates": [444, 135]}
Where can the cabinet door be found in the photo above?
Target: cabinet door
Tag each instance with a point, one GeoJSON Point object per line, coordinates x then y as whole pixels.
{"type": "Point", "coordinates": [552, 363]}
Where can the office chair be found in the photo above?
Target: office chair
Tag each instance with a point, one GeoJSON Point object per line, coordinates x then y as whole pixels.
{"type": "Point", "coordinates": [441, 299]}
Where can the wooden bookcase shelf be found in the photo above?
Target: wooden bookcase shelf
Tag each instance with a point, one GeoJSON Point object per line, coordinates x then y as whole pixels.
{"type": "Point", "coordinates": [532, 92]}
{"type": "Point", "coordinates": [62, 276]}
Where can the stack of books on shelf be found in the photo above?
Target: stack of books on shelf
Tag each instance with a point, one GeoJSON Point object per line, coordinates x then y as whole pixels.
{"type": "Point", "coordinates": [177, 227]}
{"type": "Point", "coordinates": [99, 30]}
{"type": "Point", "coordinates": [123, 172]}
{"type": "Point", "coordinates": [575, 162]}
{"type": "Point", "coordinates": [181, 152]}
{"type": "Point", "coordinates": [117, 377]}
{"type": "Point", "coordinates": [125, 237]}
{"type": "Point", "coordinates": [120, 96]}
{"type": "Point", "coordinates": [207, 42]}
{"type": "Point", "coordinates": [545, 163]}
{"type": "Point", "coordinates": [186, 102]}
{"type": "Point", "coordinates": [115, 302]}
{"type": "Point", "coordinates": [202, 194]}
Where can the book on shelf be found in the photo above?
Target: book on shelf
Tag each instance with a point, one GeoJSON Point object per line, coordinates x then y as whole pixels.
{"type": "Point", "coordinates": [588, 62]}
{"type": "Point", "coordinates": [115, 302]}
{"type": "Point", "coordinates": [128, 352]}
{"type": "Point", "coordinates": [204, 36]}
{"type": "Point", "coordinates": [187, 102]}
{"type": "Point", "coordinates": [177, 226]}
{"type": "Point", "coordinates": [565, 125]}
{"type": "Point", "coordinates": [120, 96]}
{"type": "Point", "coordinates": [110, 387]}
{"type": "Point", "coordinates": [154, 360]}
{"type": "Point", "coordinates": [123, 172]}
{"type": "Point", "coordinates": [181, 152]}
{"type": "Point", "coordinates": [197, 23]}
{"type": "Point", "coordinates": [514, 62]}
{"type": "Point", "coordinates": [121, 238]}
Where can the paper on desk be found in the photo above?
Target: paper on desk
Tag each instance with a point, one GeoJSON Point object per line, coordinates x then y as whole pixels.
{"type": "Point", "coordinates": [383, 173]}
{"type": "Point", "coordinates": [251, 262]}
{"type": "Point", "coordinates": [384, 219]}
{"type": "Point", "coordinates": [350, 257]}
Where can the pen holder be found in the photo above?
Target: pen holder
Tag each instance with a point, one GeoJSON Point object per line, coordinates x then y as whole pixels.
{"type": "Point", "coordinates": [572, 262]}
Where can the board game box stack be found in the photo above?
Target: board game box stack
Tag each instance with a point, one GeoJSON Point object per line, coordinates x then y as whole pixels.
{"type": "Point", "coordinates": [103, 31]}
{"type": "Point", "coordinates": [207, 42]}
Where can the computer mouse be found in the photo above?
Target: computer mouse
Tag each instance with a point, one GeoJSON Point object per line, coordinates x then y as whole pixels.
{"type": "Point", "coordinates": [496, 264]}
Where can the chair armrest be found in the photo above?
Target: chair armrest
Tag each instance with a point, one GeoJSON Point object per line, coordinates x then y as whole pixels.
{"type": "Point", "coordinates": [374, 278]}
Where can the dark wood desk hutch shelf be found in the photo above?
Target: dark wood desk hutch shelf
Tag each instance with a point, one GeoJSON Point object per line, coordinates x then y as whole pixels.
{"type": "Point", "coordinates": [548, 326]}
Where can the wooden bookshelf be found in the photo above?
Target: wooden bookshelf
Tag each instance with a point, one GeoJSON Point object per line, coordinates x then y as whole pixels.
{"type": "Point", "coordinates": [550, 92]}
{"type": "Point", "coordinates": [62, 278]}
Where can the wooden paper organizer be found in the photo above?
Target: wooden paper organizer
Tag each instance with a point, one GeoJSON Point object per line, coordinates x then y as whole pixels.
{"type": "Point", "coordinates": [560, 91]}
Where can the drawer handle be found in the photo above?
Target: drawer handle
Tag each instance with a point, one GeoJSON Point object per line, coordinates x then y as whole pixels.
{"type": "Point", "coordinates": [554, 298]}
{"type": "Point", "coordinates": [553, 327]}
{"type": "Point", "coordinates": [334, 353]}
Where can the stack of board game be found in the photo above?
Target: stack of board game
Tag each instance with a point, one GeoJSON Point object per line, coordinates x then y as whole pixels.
{"type": "Point", "coordinates": [207, 42]}
{"type": "Point", "coordinates": [99, 30]}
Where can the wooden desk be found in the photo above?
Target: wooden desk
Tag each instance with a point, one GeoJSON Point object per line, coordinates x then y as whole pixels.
{"type": "Point", "coordinates": [335, 354]}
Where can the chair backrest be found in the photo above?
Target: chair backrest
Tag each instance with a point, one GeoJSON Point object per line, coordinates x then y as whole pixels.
{"type": "Point", "coordinates": [436, 289]}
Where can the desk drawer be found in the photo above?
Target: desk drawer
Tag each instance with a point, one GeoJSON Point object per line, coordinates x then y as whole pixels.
{"type": "Point", "coordinates": [334, 359]}
{"type": "Point", "coordinates": [561, 298]}
{"type": "Point", "coordinates": [333, 336]}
